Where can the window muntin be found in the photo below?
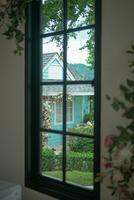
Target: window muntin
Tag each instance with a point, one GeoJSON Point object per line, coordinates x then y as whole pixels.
{"type": "Point", "coordinates": [35, 165]}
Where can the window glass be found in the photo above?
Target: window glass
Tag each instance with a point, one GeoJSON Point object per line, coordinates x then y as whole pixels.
{"type": "Point", "coordinates": [80, 161]}
{"type": "Point", "coordinates": [59, 111]}
{"type": "Point", "coordinates": [51, 107]}
{"type": "Point", "coordinates": [83, 113]}
{"type": "Point", "coordinates": [52, 59]}
{"type": "Point", "coordinates": [81, 63]}
{"type": "Point", "coordinates": [80, 13]}
{"type": "Point", "coordinates": [51, 155]}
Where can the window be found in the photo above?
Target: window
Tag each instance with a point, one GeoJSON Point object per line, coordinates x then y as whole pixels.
{"type": "Point", "coordinates": [59, 111]}
{"type": "Point", "coordinates": [62, 74]}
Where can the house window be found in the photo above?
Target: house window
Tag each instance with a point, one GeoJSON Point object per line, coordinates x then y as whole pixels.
{"type": "Point", "coordinates": [59, 111]}
{"type": "Point", "coordinates": [69, 111]}
{"type": "Point", "coordinates": [62, 73]}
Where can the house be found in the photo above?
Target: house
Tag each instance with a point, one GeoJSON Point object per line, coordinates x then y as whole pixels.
{"type": "Point", "coordinates": [79, 96]}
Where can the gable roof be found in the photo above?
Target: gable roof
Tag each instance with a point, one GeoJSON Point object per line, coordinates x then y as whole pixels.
{"type": "Point", "coordinates": [86, 71]}
{"type": "Point", "coordinates": [47, 57]}
{"type": "Point", "coordinates": [76, 90]}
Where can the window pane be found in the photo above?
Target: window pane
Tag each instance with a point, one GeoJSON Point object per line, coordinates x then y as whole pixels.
{"type": "Point", "coordinates": [52, 62]}
{"type": "Point", "coordinates": [51, 107]}
{"type": "Point", "coordinates": [51, 15]}
{"type": "Point", "coordinates": [81, 13]}
{"type": "Point", "coordinates": [82, 111]}
{"type": "Point", "coordinates": [80, 55]}
{"type": "Point", "coordinates": [51, 155]}
{"type": "Point", "coordinates": [80, 161]}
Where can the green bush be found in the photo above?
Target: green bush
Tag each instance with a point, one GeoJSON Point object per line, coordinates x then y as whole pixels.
{"type": "Point", "coordinates": [78, 144]}
{"type": "Point", "coordinates": [79, 161]}
{"type": "Point", "coordinates": [48, 159]}
{"type": "Point", "coordinates": [75, 161]}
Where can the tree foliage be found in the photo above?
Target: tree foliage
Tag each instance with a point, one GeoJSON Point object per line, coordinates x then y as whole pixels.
{"type": "Point", "coordinates": [79, 13]}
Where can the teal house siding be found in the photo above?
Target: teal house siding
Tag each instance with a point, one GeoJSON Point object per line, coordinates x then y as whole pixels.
{"type": "Point", "coordinates": [78, 110]}
{"type": "Point", "coordinates": [85, 105]}
{"type": "Point", "coordinates": [54, 140]}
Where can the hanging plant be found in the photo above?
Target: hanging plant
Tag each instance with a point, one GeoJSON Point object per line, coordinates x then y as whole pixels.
{"type": "Point", "coordinates": [12, 18]}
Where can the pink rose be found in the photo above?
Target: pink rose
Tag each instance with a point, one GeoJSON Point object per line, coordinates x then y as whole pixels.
{"type": "Point", "coordinates": [108, 141]}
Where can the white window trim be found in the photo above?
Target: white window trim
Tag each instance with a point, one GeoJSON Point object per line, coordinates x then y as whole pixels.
{"type": "Point", "coordinates": [68, 122]}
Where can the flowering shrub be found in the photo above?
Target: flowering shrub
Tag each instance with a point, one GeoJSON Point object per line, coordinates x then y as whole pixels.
{"type": "Point", "coordinates": [119, 158]}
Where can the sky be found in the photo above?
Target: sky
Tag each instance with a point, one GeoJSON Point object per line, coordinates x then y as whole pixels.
{"type": "Point", "coordinates": [74, 55]}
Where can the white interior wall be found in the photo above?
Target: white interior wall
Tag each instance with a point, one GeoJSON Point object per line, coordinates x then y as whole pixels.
{"type": "Point", "coordinates": [117, 35]}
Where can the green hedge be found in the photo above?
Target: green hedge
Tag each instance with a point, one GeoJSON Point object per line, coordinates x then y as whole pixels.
{"type": "Point", "coordinates": [82, 128]}
{"type": "Point", "coordinates": [80, 161]}
{"type": "Point", "coordinates": [75, 161]}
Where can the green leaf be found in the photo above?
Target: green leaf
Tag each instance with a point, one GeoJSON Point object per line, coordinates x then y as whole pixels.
{"type": "Point", "coordinates": [123, 88]}
{"type": "Point", "coordinates": [132, 47]}
{"type": "Point", "coordinates": [108, 97]}
{"type": "Point", "coordinates": [129, 113]}
{"type": "Point", "coordinates": [130, 83]}
{"type": "Point", "coordinates": [131, 64]}
{"type": "Point", "coordinates": [131, 126]}
{"type": "Point", "coordinates": [115, 106]}
{"type": "Point", "coordinates": [121, 129]}
{"type": "Point", "coordinates": [130, 52]}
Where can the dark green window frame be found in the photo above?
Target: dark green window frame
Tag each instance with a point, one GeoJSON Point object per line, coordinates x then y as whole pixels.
{"type": "Point", "coordinates": [33, 179]}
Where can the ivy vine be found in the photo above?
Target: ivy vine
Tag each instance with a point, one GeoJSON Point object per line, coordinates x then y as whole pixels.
{"type": "Point", "coordinates": [12, 18]}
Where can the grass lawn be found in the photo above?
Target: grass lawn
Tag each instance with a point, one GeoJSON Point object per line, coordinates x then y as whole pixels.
{"type": "Point", "coordinates": [77, 177]}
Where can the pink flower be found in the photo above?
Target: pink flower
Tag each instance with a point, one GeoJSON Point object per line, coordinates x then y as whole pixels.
{"type": "Point", "coordinates": [108, 141]}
